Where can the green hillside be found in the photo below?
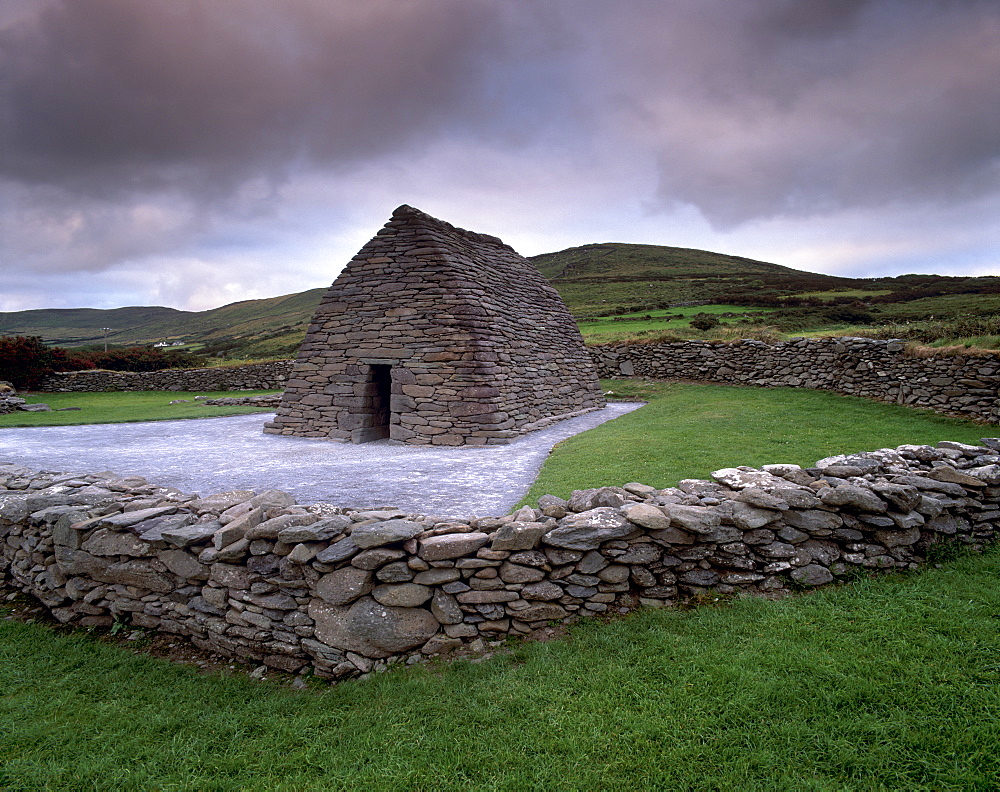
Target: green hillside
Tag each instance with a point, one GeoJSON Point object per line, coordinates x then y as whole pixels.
{"type": "Point", "coordinates": [603, 279]}
{"type": "Point", "coordinates": [270, 322]}
{"type": "Point", "coordinates": [640, 287]}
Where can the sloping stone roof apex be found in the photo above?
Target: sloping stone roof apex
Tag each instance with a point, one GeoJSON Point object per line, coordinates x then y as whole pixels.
{"type": "Point", "coordinates": [413, 216]}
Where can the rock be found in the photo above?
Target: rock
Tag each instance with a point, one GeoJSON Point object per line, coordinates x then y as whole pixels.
{"type": "Point", "coordinates": [386, 532]}
{"type": "Point", "coordinates": [515, 573]}
{"type": "Point", "coordinates": [642, 553]}
{"type": "Point", "coordinates": [439, 548]}
{"type": "Point", "coordinates": [762, 499]}
{"type": "Point", "coordinates": [518, 536]}
{"type": "Point", "coordinates": [747, 517]}
{"type": "Point", "coordinates": [903, 497]}
{"type": "Point", "coordinates": [948, 473]}
{"type": "Point", "coordinates": [925, 483]}
{"type": "Point", "coordinates": [702, 578]}
{"type": "Point", "coordinates": [853, 497]}
{"type": "Point", "coordinates": [898, 538]}
{"type": "Point", "coordinates": [742, 477]}
{"type": "Point", "coordinates": [183, 564]}
{"type": "Point", "coordinates": [441, 644]}
{"type": "Point", "coordinates": [947, 524]}
{"type": "Point", "coordinates": [812, 575]}
{"type": "Point", "coordinates": [376, 557]}
{"type": "Point", "coordinates": [216, 504]}
{"type": "Point", "coordinates": [139, 574]}
{"type": "Point", "coordinates": [546, 612]}
{"type": "Point", "coordinates": [230, 576]}
{"type": "Point", "coordinates": [109, 543]}
{"type": "Point", "coordinates": [588, 530]}
{"type": "Point", "coordinates": [405, 595]}
{"type": "Point", "coordinates": [647, 516]}
{"type": "Point", "coordinates": [614, 573]}
{"type": "Point", "coordinates": [302, 553]}
{"type": "Point", "coordinates": [34, 408]}
{"type": "Point", "coordinates": [339, 551]}
{"type": "Point", "coordinates": [435, 577]}
{"type": "Point", "coordinates": [814, 521]}
{"type": "Point", "coordinates": [236, 529]}
{"type": "Point", "coordinates": [486, 597]}
{"type": "Point", "coordinates": [445, 608]}
{"type": "Point", "coordinates": [315, 532]}
{"type": "Point", "coordinates": [396, 572]}
{"type": "Point", "coordinates": [187, 535]}
{"type": "Point", "coordinates": [696, 519]}
{"type": "Point", "coordinates": [590, 499]}
{"type": "Point", "coordinates": [370, 628]}
{"type": "Point", "coordinates": [913, 519]}
{"type": "Point", "coordinates": [988, 474]}
{"type": "Point", "coordinates": [121, 522]}
{"type": "Point", "coordinates": [344, 585]}
{"type": "Point", "coordinates": [543, 590]}
{"type": "Point", "coordinates": [637, 488]}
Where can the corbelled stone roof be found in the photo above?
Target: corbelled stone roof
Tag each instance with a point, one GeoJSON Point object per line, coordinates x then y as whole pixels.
{"type": "Point", "coordinates": [480, 346]}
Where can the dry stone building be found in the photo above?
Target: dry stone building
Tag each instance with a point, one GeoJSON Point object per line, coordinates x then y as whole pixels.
{"type": "Point", "coordinates": [434, 335]}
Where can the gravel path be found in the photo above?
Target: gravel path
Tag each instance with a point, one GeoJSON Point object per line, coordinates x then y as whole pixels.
{"type": "Point", "coordinates": [211, 455]}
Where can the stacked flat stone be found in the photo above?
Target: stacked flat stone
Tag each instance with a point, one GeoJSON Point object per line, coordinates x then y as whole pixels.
{"type": "Point", "coordinates": [480, 346]}
{"type": "Point", "coordinates": [342, 591]}
{"type": "Point", "coordinates": [965, 386]}
{"type": "Point", "coordinates": [270, 375]}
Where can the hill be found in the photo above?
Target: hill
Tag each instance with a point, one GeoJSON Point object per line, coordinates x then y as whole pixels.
{"type": "Point", "coordinates": [596, 280]}
{"type": "Point", "coordinates": [608, 278]}
{"type": "Point", "coordinates": [274, 325]}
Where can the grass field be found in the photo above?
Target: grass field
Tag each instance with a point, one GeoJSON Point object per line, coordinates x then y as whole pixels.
{"type": "Point", "coordinates": [124, 407]}
{"type": "Point", "coordinates": [888, 683]}
{"type": "Point", "coordinates": [884, 684]}
{"type": "Point", "coordinates": [606, 329]}
{"type": "Point", "coordinates": [687, 431]}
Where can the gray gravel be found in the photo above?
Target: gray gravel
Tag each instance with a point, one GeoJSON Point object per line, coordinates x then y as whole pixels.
{"type": "Point", "coordinates": [212, 455]}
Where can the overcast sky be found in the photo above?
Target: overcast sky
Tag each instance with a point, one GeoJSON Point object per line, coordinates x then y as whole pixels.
{"type": "Point", "coordinates": [192, 153]}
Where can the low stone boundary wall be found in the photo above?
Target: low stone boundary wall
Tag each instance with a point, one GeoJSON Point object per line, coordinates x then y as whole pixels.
{"type": "Point", "coordinates": [270, 375]}
{"type": "Point", "coordinates": [258, 576]}
{"type": "Point", "coordinates": [967, 387]}
{"type": "Point", "coordinates": [952, 384]}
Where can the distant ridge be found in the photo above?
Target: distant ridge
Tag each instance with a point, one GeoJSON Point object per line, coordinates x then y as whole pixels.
{"type": "Point", "coordinates": [598, 279]}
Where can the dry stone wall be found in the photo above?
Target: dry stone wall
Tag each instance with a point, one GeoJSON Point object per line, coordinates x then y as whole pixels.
{"type": "Point", "coordinates": [434, 335]}
{"type": "Point", "coordinates": [968, 387]}
{"type": "Point", "coordinates": [271, 375]}
{"type": "Point", "coordinates": [957, 385]}
{"type": "Point", "coordinates": [343, 592]}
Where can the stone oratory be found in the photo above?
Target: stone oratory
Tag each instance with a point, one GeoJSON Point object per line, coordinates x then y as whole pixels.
{"type": "Point", "coordinates": [433, 335]}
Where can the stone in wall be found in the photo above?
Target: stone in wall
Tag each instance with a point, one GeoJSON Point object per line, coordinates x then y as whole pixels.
{"type": "Point", "coordinates": [271, 375]}
{"type": "Point", "coordinates": [256, 576]}
{"type": "Point", "coordinates": [964, 386]}
{"type": "Point", "coordinates": [434, 335]}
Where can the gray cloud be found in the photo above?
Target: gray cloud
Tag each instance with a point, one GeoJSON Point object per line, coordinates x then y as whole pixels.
{"type": "Point", "coordinates": [193, 131]}
{"type": "Point", "coordinates": [113, 96]}
{"type": "Point", "coordinates": [783, 107]}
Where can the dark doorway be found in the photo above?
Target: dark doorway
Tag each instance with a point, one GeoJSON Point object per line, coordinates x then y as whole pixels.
{"type": "Point", "coordinates": [381, 390]}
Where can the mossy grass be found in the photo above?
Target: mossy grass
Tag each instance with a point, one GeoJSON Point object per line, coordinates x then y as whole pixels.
{"type": "Point", "coordinates": [688, 430]}
{"type": "Point", "coordinates": [888, 683]}
{"type": "Point", "coordinates": [125, 407]}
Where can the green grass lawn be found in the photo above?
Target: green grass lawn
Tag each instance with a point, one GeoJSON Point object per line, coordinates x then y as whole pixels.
{"type": "Point", "coordinates": [605, 329]}
{"type": "Point", "coordinates": [687, 431]}
{"type": "Point", "coordinates": [123, 407]}
{"type": "Point", "coordinates": [884, 684]}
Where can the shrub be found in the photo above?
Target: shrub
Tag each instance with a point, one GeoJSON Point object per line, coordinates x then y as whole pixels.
{"type": "Point", "coordinates": [25, 361]}
{"type": "Point", "coordinates": [704, 321]}
{"type": "Point", "coordinates": [135, 358]}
